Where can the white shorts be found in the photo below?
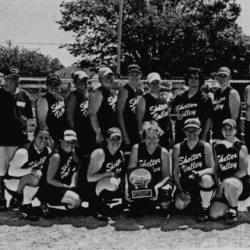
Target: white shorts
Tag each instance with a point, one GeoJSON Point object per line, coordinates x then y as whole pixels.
{"type": "Point", "coordinates": [6, 154]}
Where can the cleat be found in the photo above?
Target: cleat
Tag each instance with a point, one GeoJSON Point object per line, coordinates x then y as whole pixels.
{"type": "Point", "coordinates": [26, 213]}
{"type": "Point", "coordinates": [45, 210]}
{"type": "Point", "coordinates": [203, 215]}
{"type": "Point", "coordinates": [3, 205]}
{"type": "Point", "coordinates": [231, 218]}
{"type": "Point", "coordinates": [99, 216]}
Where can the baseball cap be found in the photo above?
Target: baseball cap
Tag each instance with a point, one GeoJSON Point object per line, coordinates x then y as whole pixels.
{"type": "Point", "coordinates": [153, 76]}
{"type": "Point", "coordinates": [224, 70]}
{"type": "Point", "coordinates": [230, 122]}
{"type": "Point", "coordinates": [213, 74]}
{"type": "Point", "coordinates": [69, 135]}
{"type": "Point", "coordinates": [12, 71]}
{"type": "Point", "coordinates": [53, 79]}
{"type": "Point", "coordinates": [114, 132]}
{"type": "Point", "coordinates": [104, 71]}
{"type": "Point", "coordinates": [134, 67]}
{"type": "Point", "coordinates": [192, 123]}
{"type": "Point", "coordinates": [80, 75]}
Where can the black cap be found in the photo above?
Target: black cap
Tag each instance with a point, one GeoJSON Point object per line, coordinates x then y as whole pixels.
{"type": "Point", "coordinates": [53, 79]}
{"type": "Point", "coordinates": [11, 71]}
{"type": "Point", "coordinates": [134, 67]}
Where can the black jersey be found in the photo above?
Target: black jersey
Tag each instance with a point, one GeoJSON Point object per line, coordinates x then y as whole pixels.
{"type": "Point", "coordinates": [66, 168]}
{"type": "Point", "coordinates": [151, 160]}
{"type": "Point", "coordinates": [56, 117]}
{"type": "Point", "coordinates": [106, 114]}
{"type": "Point", "coordinates": [158, 110]}
{"type": "Point", "coordinates": [112, 163]}
{"type": "Point", "coordinates": [221, 112]}
{"type": "Point", "coordinates": [191, 159]}
{"type": "Point", "coordinates": [83, 128]}
{"type": "Point", "coordinates": [131, 125]}
{"type": "Point", "coordinates": [228, 158]}
{"type": "Point", "coordinates": [197, 106]}
{"type": "Point", "coordinates": [35, 160]}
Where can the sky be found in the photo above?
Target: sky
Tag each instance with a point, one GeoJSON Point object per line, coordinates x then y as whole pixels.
{"type": "Point", "coordinates": [32, 24]}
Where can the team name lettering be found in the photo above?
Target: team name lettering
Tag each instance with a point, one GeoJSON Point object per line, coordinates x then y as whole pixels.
{"type": "Point", "coordinates": [66, 168]}
{"type": "Point", "coordinates": [218, 103]}
{"type": "Point", "coordinates": [110, 166]}
{"type": "Point", "coordinates": [228, 165]}
{"type": "Point", "coordinates": [228, 157]}
{"type": "Point", "coordinates": [58, 109]}
{"type": "Point", "coordinates": [186, 160]}
{"type": "Point", "coordinates": [192, 166]}
{"type": "Point", "coordinates": [187, 110]}
{"type": "Point", "coordinates": [133, 102]}
{"type": "Point", "coordinates": [37, 164]}
{"type": "Point", "coordinates": [112, 101]}
{"type": "Point", "coordinates": [84, 108]}
{"type": "Point", "coordinates": [151, 163]}
{"type": "Point", "coordinates": [159, 111]}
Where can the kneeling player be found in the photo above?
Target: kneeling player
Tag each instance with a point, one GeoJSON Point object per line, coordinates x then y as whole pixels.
{"type": "Point", "coordinates": [150, 155]}
{"type": "Point", "coordinates": [193, 167]}
{"type": "Point", "coordinates": [105, 174]}
{"type": "Point", "coordinates": [233, 182]}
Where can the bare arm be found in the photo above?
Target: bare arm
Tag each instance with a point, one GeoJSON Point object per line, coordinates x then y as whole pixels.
{"type": "Point", "coordinates": [94, 105]}
{"type": "Point", "coordinates": [120, 106]}
{"type": "Point", "coordinates": [165, 158]}
{"type": "Point", "coordinates": [209, 161]}
{"type": "Point", "coordinates": [133, 160]}
{"type": "Point", "coordinates": [243, 163]}
{"type": "Point", "coordinates": [175, 165]}
{"type": "Point", "coordinates": [206, 129]}
{"type": "Point", "coordinates": [74, 180]}
{"type": "Point", "coordinates": [96, 160]}
{"type": "Point", "coordinates": [234, 104]}
{"type": "Point", "coordinates": [54, 162]}
{"type": "Point", "coordinates": [42, 109]}
{"type": "Point", "coordinates": [140, 112]}
{"type": "Point", "coordinates": [70, 104]}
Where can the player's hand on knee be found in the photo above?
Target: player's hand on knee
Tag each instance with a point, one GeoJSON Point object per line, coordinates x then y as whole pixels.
{"type": "Point", "coordinates": [185, 195]}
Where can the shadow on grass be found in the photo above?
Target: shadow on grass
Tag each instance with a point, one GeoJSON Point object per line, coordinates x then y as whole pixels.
{"type": "Point", "coordinates": [120, 221]}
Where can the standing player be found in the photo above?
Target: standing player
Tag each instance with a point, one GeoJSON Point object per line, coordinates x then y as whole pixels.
{"type": "Point", "coordinates": [151, 155]}
{"type": "Point", "coordinates": [24, 172]}
{"type": "Point", "coordinates": [247, 120]}
{"type": "Point", "coordinates": [226, 104]}
{"type": "Point", "coordinates": [153, 106]}
{"type": "Point", "coordinates": [127, 101]}
{"type": "Point", "coordinates": [15, 110]}
{"type": "Point", "coordinates": [106, 173]}
{"type": "Point", "coordinates": [193, 167]}
{"type": "Point", "coordinates": [102, 105]}
{"type": "Point", "coordinates": [192, 103]}
{"type": "Point", "coordinates": [60, 175]}
{"type": "Point", "coordinates": [50, 110]}
{"type": "Point", "coordinates": [233, 182]}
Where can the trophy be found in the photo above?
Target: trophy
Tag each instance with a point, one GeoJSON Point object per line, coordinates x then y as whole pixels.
{"type": "Point", "coordinates": [140, 183]}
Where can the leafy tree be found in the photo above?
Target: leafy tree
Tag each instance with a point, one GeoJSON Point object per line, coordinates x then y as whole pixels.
{"type": "Point", "coordinates": [161, 35]}
{"type": "Point", "coordinates": [29, 62]}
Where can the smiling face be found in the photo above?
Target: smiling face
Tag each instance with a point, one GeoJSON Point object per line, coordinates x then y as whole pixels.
{"type": "Point", "coordinates": [41, 139]}
{"type": "Point", "coordinates": [134, 77]}
{"type": "Point", "coordinates": [114, 143]}
{"type": "Point", "coordinates": [107, 81]}
{"type": "Point", "coordinates": [229, 132]}
{"type": "Point", "coordinates": [192, 134]}
{"type": "Point", "coordinates": [155, 87]}
{"type": "Point", "coordinates": [152, 139]}
{"type": "Point", "coordinates": [223, 79]}
{"type": "Point", "coordinates": [53, 87]}
{"type": "Point", "coordinates": [81, 84]}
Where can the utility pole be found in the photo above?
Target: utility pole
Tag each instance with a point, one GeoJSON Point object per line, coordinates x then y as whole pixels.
{"type": "Point", "coordinates": [119, 40]}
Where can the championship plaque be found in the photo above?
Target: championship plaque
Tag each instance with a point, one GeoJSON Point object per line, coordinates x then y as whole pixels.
{"type": "Point", "coordinates": [140, 183]}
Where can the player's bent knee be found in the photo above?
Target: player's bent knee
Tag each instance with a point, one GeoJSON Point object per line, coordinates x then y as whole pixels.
{"type": "Point", "coordinates": [206, 181]}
